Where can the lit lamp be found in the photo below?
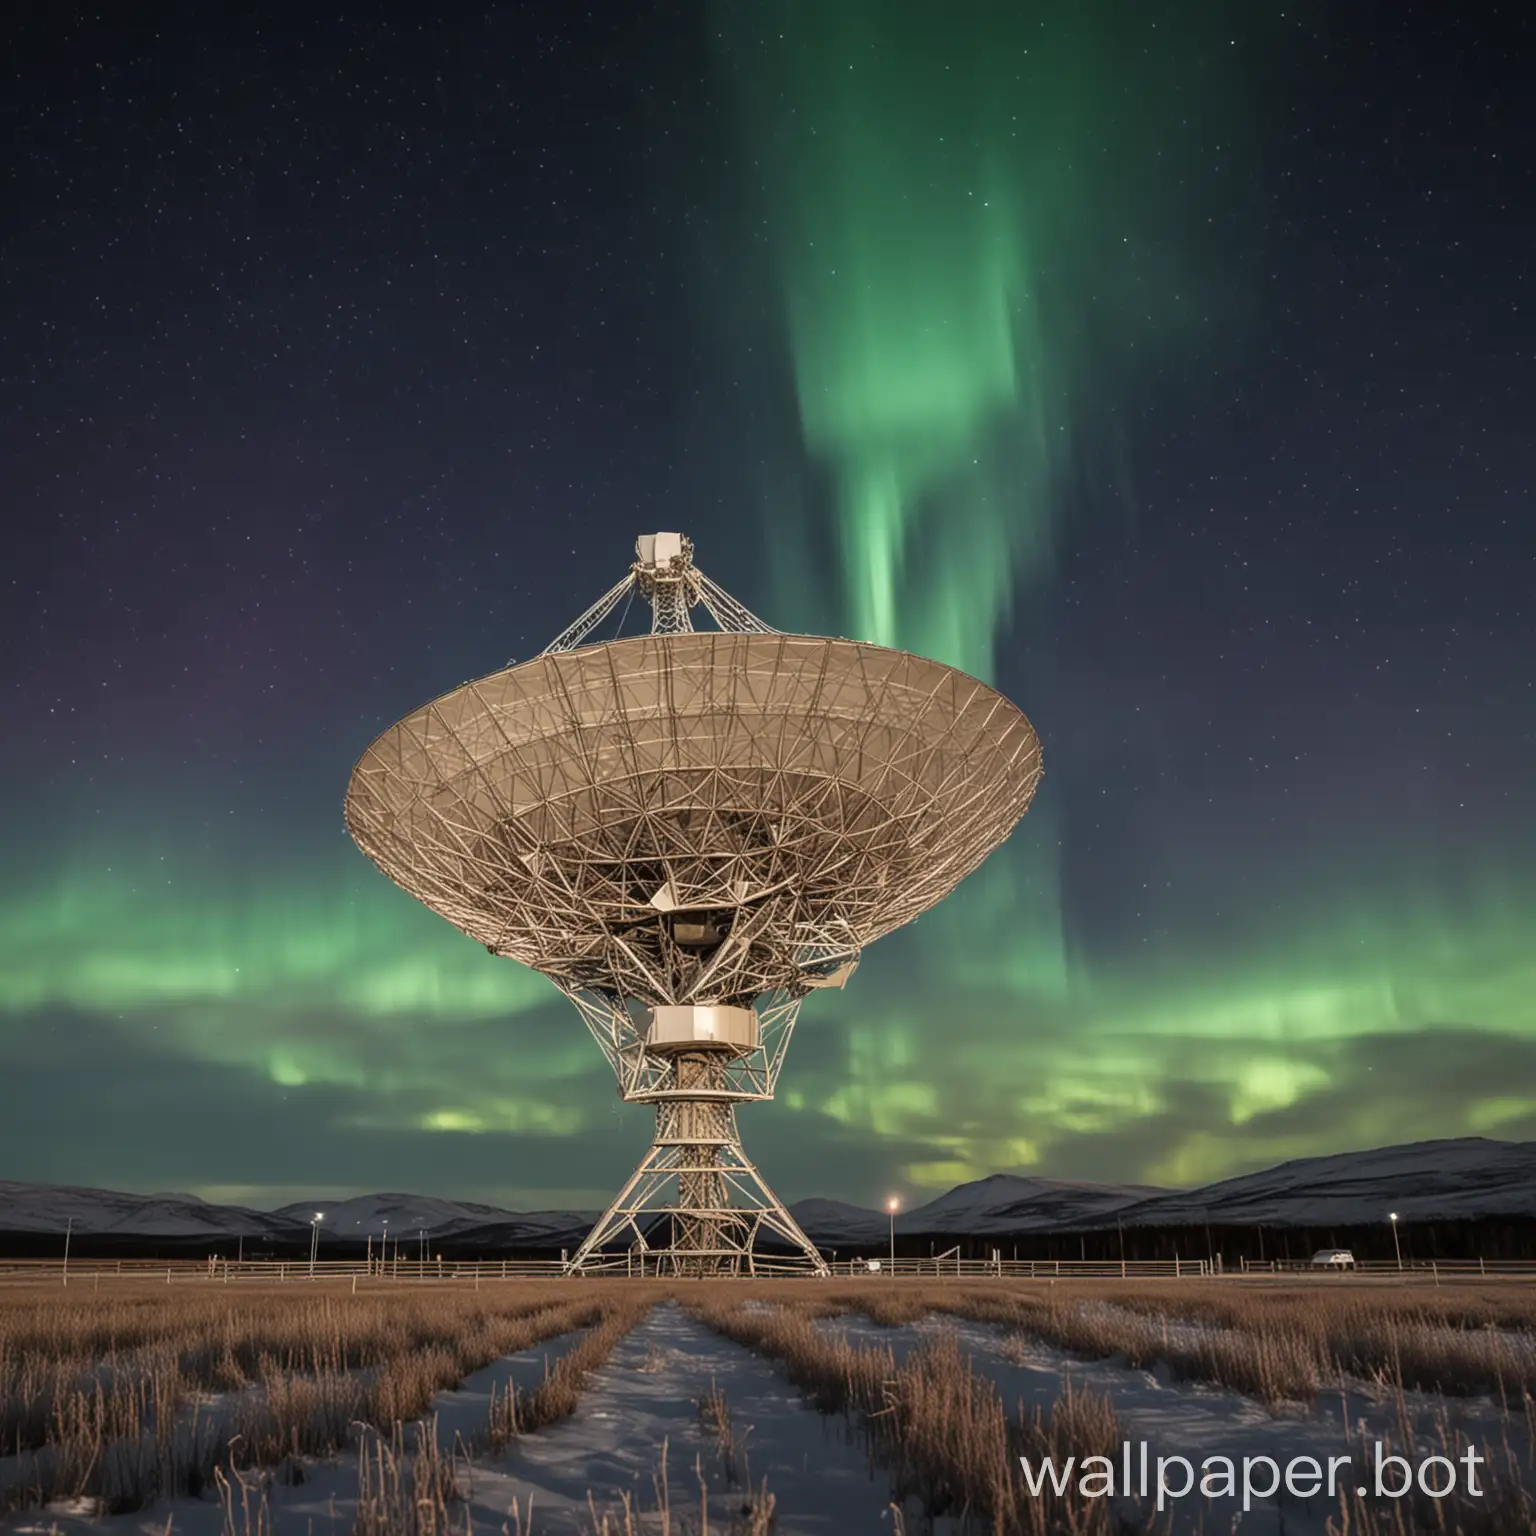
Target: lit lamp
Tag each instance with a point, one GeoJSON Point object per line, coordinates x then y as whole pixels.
{"type": "Point", "coordinates": [1397, 1245]}
{"type": "Point", "coordinates": [314, 1238]}
{"type": "Point", "coordinates": [891, 1206]}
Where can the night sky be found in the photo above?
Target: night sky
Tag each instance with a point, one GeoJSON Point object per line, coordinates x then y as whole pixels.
{"type": "Point", "coordinates": [1170, 367]}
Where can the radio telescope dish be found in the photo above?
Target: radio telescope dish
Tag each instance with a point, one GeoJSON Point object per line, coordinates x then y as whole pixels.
{"type": "Point", "coordinates": [688, 831]}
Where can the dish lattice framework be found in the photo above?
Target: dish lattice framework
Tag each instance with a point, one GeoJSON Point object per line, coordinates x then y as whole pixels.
{"type": "Point", "coordinates": [700, 821]}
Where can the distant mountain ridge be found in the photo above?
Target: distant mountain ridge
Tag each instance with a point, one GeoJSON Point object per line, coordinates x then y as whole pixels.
{"type": "Point", "coordinates": [1001, 1202]}
{"type": "Point", "coordinates": [53, 1207]}
{"type": "Point", "coordinates": [101, 1213]}
{"type": "Point", "coordinates": [1466, 1178]}
{"type": "Point", "coordinates": [407, 1216]}
{"type": "Point", "coordinates": [1463, 1179]}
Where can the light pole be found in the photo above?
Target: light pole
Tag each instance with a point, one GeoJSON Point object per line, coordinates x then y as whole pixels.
{"type": "Point", "coordinates": [314, 1239]}
{"type": "Point", "coordinates": [69, 1227]}
{"type": "Point", "coordinates": [890, 1206]}
{"type": "Point", "coordinates": [1397, 1245]}
{"type": "Point", "coordinates": [384, 1249]}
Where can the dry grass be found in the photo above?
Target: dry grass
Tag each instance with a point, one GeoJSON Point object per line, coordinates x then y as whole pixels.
{"type": "Point", "coordinates": [103, 1394]}
{"type": "Point", "coordinates": [752, 1517]}
{"type": "Point", "coordinates": [941, 1428]}
{"type": "Point", "coordinates": [1278, 1346]}
{"type": "Point", "coordinates": [422, 1492]}
{"type": "Point", "coordinates": [171, 1345]}
{"type": "Point", "coordinates": [125, 1426]}
{"type": "Point", "coordinates": [1506, 1507]}
{"type": "Point", "coordinates": [1276, 1343]}
{"type": "Point", "coordinates": [715, 1420]}
{"type": "Point", "coordinates": [558, 1394]}
{"type": "Point", "coordinates": [400, 1493]}
{"type": "Point", "coordinates": [407, 1495]}
{"type": "Point", "coordinates": [1459, 1341]}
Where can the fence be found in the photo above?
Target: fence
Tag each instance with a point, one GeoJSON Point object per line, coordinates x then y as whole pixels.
{"type": "Point", "coordinates": [218, 1270]}
{"type": "Point", "coordinates": [1431, 1268]}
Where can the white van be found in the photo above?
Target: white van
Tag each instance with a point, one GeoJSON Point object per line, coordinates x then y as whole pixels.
{"type": "Point", "coordinates": [1333, 1258]}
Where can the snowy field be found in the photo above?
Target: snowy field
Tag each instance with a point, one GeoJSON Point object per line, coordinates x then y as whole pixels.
{"type": "Point", "coordinates": [1198, 1419]}
{"type": "Point", "coordinates": [691, 1408]}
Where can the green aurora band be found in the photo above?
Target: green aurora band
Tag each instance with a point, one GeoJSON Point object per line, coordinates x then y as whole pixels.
{"type": "Point", "coordinates": [1334, 1031]}
{"type": "Point", "coordinates": [924, 182]}
{"type": "Point", "coordinates": [962, 204]}
{"type": "Point", "coordinates": [905, 202]}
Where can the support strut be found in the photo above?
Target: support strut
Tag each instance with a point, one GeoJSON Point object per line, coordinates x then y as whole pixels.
{"type": "Point", "coordinates": [696, 1205]}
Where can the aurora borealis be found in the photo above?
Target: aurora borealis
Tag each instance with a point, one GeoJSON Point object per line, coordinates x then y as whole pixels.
{"type": "Point", "coordinates": [1153, 369]}
{"type": "Point", "coordinates": [908, 170]}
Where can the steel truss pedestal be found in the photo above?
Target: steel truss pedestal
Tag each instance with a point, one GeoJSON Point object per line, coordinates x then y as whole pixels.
{"type": "Point", "coordinates": [696, 1205]}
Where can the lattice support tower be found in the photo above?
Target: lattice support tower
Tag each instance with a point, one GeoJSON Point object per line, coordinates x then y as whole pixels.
{"type": "Point", "coordinates": [697, 1204]}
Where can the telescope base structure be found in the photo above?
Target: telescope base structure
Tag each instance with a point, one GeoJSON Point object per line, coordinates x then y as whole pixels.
{"type": "Point", "coordinates": [696, 1206]}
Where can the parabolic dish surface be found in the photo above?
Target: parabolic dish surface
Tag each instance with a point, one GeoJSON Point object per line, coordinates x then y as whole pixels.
{"type": "Point", "coordinates": [817, 792]}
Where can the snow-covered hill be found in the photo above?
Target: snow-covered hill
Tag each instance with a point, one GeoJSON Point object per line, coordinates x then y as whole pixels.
{"type": "Point", "coordinates": [102, 1213]}
{"type": "Point", "coordinates": [366, 1216]}
{"type": "Point", "coordinates": [1423, 1181]}
{"type": "Point", "coordinates": [406, 1217]}
{"type": "Point", "coordinates": [1001, 1202]}
{"type": "Point", "coordinates": [834, 1221]}
{"type": "Point", "coordinates": [105, 1213]}
{"type": "Point", "coordinates": [1007, 1203]}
